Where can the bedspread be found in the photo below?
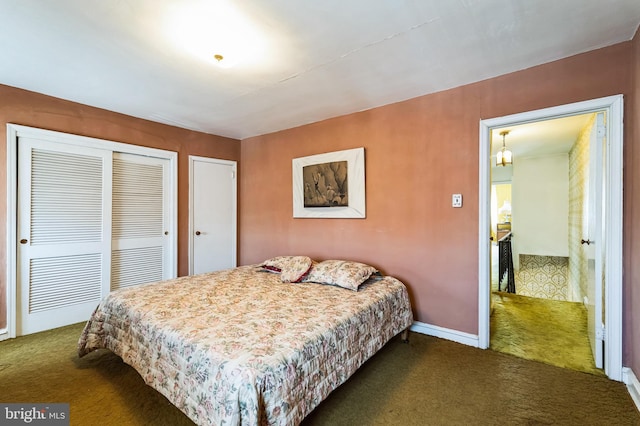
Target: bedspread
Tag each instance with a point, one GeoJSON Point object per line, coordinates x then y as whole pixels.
{"type": "Point", "coordinates": [241, 347]}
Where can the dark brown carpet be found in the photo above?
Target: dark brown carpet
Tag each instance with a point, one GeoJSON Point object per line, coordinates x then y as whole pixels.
{"type": "Point", "coordinates": [429, 381]}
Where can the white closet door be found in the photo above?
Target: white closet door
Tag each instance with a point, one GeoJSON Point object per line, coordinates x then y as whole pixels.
{"type": "Point", "coordinates": [140, 243]}
{"type": "Point", "coordinates": [213, 215]}
{"type": "Point", "coordinates": [63, 232]}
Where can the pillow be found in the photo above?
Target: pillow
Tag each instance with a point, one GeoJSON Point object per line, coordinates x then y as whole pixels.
{"type": "Point", "coordinates": [342, 273]}
{"type": "Point", "coordinates": [270, 268]}
{"type": "Point", "coordinates": [291, 268]}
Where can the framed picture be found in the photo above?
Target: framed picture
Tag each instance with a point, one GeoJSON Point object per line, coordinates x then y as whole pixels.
{"type": "Point", "coordinates": [329, 185]}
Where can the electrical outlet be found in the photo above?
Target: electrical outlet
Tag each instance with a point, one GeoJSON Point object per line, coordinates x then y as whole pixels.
{"type": "Point", "coordinates": [456, 200]}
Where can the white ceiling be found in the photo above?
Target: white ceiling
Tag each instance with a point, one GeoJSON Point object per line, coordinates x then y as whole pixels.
{"type": "Point", "coordinates": [542, 138]}
{"type": "Point", "coordinates": [312, 59]}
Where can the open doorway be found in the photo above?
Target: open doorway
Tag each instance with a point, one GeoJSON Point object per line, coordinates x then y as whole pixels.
{"type": "Point", "coordinates": [541, 200]}
{"type": "Point", "coordinates": [541, 296]}
{"type": "Point", "coordinates": [502, 273]}
{"type": "Point", "coordinates": [610, 241]}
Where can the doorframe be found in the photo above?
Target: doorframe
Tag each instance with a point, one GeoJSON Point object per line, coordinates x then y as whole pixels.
{"type": "Point", "coordinates": [14, 132]}
{"type": "Point", "coordinates": [613, 106]}
{"type": "Point", "coordinates": [234, 166]}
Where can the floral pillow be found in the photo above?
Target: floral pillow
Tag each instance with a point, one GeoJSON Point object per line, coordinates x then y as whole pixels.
{"type": "Point", "coordinates": [291, 268]}
{"type": "Point", "coordinates": [342, 273]}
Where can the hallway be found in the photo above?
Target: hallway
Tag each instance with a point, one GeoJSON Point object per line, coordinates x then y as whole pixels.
{"type": "Point", "coordinates": [550, 331]}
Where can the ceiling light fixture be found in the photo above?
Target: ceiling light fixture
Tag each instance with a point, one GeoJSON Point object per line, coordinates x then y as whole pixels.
{"type": "Point", "coordinates": [217, 32]}
{"type": "Point", "coordinates": [504, 157]}
{"type": "Point", "coordinates": [222, 62]}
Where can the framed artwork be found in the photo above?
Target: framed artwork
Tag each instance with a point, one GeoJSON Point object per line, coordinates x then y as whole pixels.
{"type": "Point", "coordinates": [329, 185]}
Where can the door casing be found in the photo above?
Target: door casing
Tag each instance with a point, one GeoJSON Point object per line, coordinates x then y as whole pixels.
{"type": "Point", "coordinates": [613, 106]}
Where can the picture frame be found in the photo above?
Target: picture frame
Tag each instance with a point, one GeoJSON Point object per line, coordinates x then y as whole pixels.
{"type": "Point", "coordinates": [330, 185]}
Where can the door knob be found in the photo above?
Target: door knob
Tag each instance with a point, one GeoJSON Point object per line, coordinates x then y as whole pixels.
{"type": "Point", "coordinates": [197, 232]}
{"type": "Point", "coordinates": [587, 242]}
{"type": "Point", "coordinates": [23, 241]}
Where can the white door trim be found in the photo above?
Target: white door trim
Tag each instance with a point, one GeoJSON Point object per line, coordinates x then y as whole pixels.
{"type": "Point", "coordinates": [613, 105]}
{"type": "Point", "coordinates": [234, 165]}
{"type": "Point", "coordinates": [15, 131]}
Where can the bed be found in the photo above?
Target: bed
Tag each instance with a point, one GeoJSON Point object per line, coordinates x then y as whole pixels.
{"type": "Point", "coordinates": [258, 344]}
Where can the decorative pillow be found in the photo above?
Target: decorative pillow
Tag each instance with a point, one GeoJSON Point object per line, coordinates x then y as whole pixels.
{"type": "Point", "coordinates": [291, 268]}
{"type": "Point", "coordinates": [270, 268]}
{"type": "Point", "coordinates": [342, 273]}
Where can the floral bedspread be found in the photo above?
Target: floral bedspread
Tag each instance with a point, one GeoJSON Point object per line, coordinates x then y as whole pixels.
{"type": "Point", "coordinates": [241, 347]}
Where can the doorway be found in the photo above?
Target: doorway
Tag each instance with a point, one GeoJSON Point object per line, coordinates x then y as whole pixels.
{"type": "Point", "coordinates": [612, 243]}
{"type": "Point", "coordinates": [547, 300]}
{"type": "Point", "coordinates": [546, 192]}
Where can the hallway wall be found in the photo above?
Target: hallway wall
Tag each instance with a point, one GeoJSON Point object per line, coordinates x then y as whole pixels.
{"type": "Point", "coordinates": [540, 194]}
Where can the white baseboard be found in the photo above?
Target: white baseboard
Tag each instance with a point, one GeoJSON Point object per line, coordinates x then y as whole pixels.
{"type": "Point", "coordinates": [633, 385]}
{"type": "Point", "coordinates": [4, 334]}
{"type": "Point", "coordinates": [446, 333]}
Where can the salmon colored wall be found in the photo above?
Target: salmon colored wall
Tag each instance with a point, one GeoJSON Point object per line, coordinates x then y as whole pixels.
{"type": "Point", "coordinates": [32, 109]}
{"type": "Point", "coordinates": [632, 220]}
{"type": "Point", "coordinates": [417, 154]}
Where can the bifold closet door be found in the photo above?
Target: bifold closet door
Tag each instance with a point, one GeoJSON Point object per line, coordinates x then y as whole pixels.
{"type": "Point", "coordinates": [63, 233]}
{"type": "Point", "coordinates": [140, 231]}
{"type": "Point", "coordinates": [90, 221]}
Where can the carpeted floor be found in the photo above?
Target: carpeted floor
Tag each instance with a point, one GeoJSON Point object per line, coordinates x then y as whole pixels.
{"type": "Point", "coordinates": [429, 381]}
{"type": "Point", "coordinates": [549, 331]}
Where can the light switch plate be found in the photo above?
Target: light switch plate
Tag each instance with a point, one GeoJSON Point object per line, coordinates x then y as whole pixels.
{"type": "Point", "coordinates": [456, 200]}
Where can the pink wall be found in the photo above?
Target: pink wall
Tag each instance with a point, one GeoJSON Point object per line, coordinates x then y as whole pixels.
{"type": "Point", "coordinates": [632, 219]}
{"type": "Point", "coordinates": [418, 153]}
{"type": "Point", "coordinates": [36, 110]}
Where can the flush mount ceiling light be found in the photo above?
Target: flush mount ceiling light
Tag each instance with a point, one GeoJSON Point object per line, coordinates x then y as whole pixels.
{"type": "Point", "coordinates": [504, 157]}
{"type": "Point", "coordinates": [217, 32]}
{"type": "Point", "coordinates": [221, 62]}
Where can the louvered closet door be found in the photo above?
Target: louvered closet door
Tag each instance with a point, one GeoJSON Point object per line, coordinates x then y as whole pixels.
{"type": "Point", "coordinates": [140, 241]}
{"type": "Point", "coordinates": [63, 233]}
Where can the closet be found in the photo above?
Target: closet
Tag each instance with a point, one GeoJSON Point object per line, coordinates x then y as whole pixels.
{"type": "Point", "coordinates": [91, 216]}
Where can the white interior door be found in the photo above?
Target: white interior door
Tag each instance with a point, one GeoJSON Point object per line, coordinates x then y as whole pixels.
{"type": "Point", "coordinates": [212, 214]}
{"type": "Point", "coordinates": [593, 243]}
{"type": "Point", "coordinates": [63, 211]}
{"type": "Point", "coordinates": [140, 220]}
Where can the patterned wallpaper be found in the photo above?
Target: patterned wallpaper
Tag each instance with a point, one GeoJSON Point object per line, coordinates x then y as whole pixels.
{"type": "Point", "coordinates": [546, 277]}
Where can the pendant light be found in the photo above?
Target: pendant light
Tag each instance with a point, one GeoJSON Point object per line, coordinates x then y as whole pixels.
{"type": "Point", "coordinates": [504, 157]}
